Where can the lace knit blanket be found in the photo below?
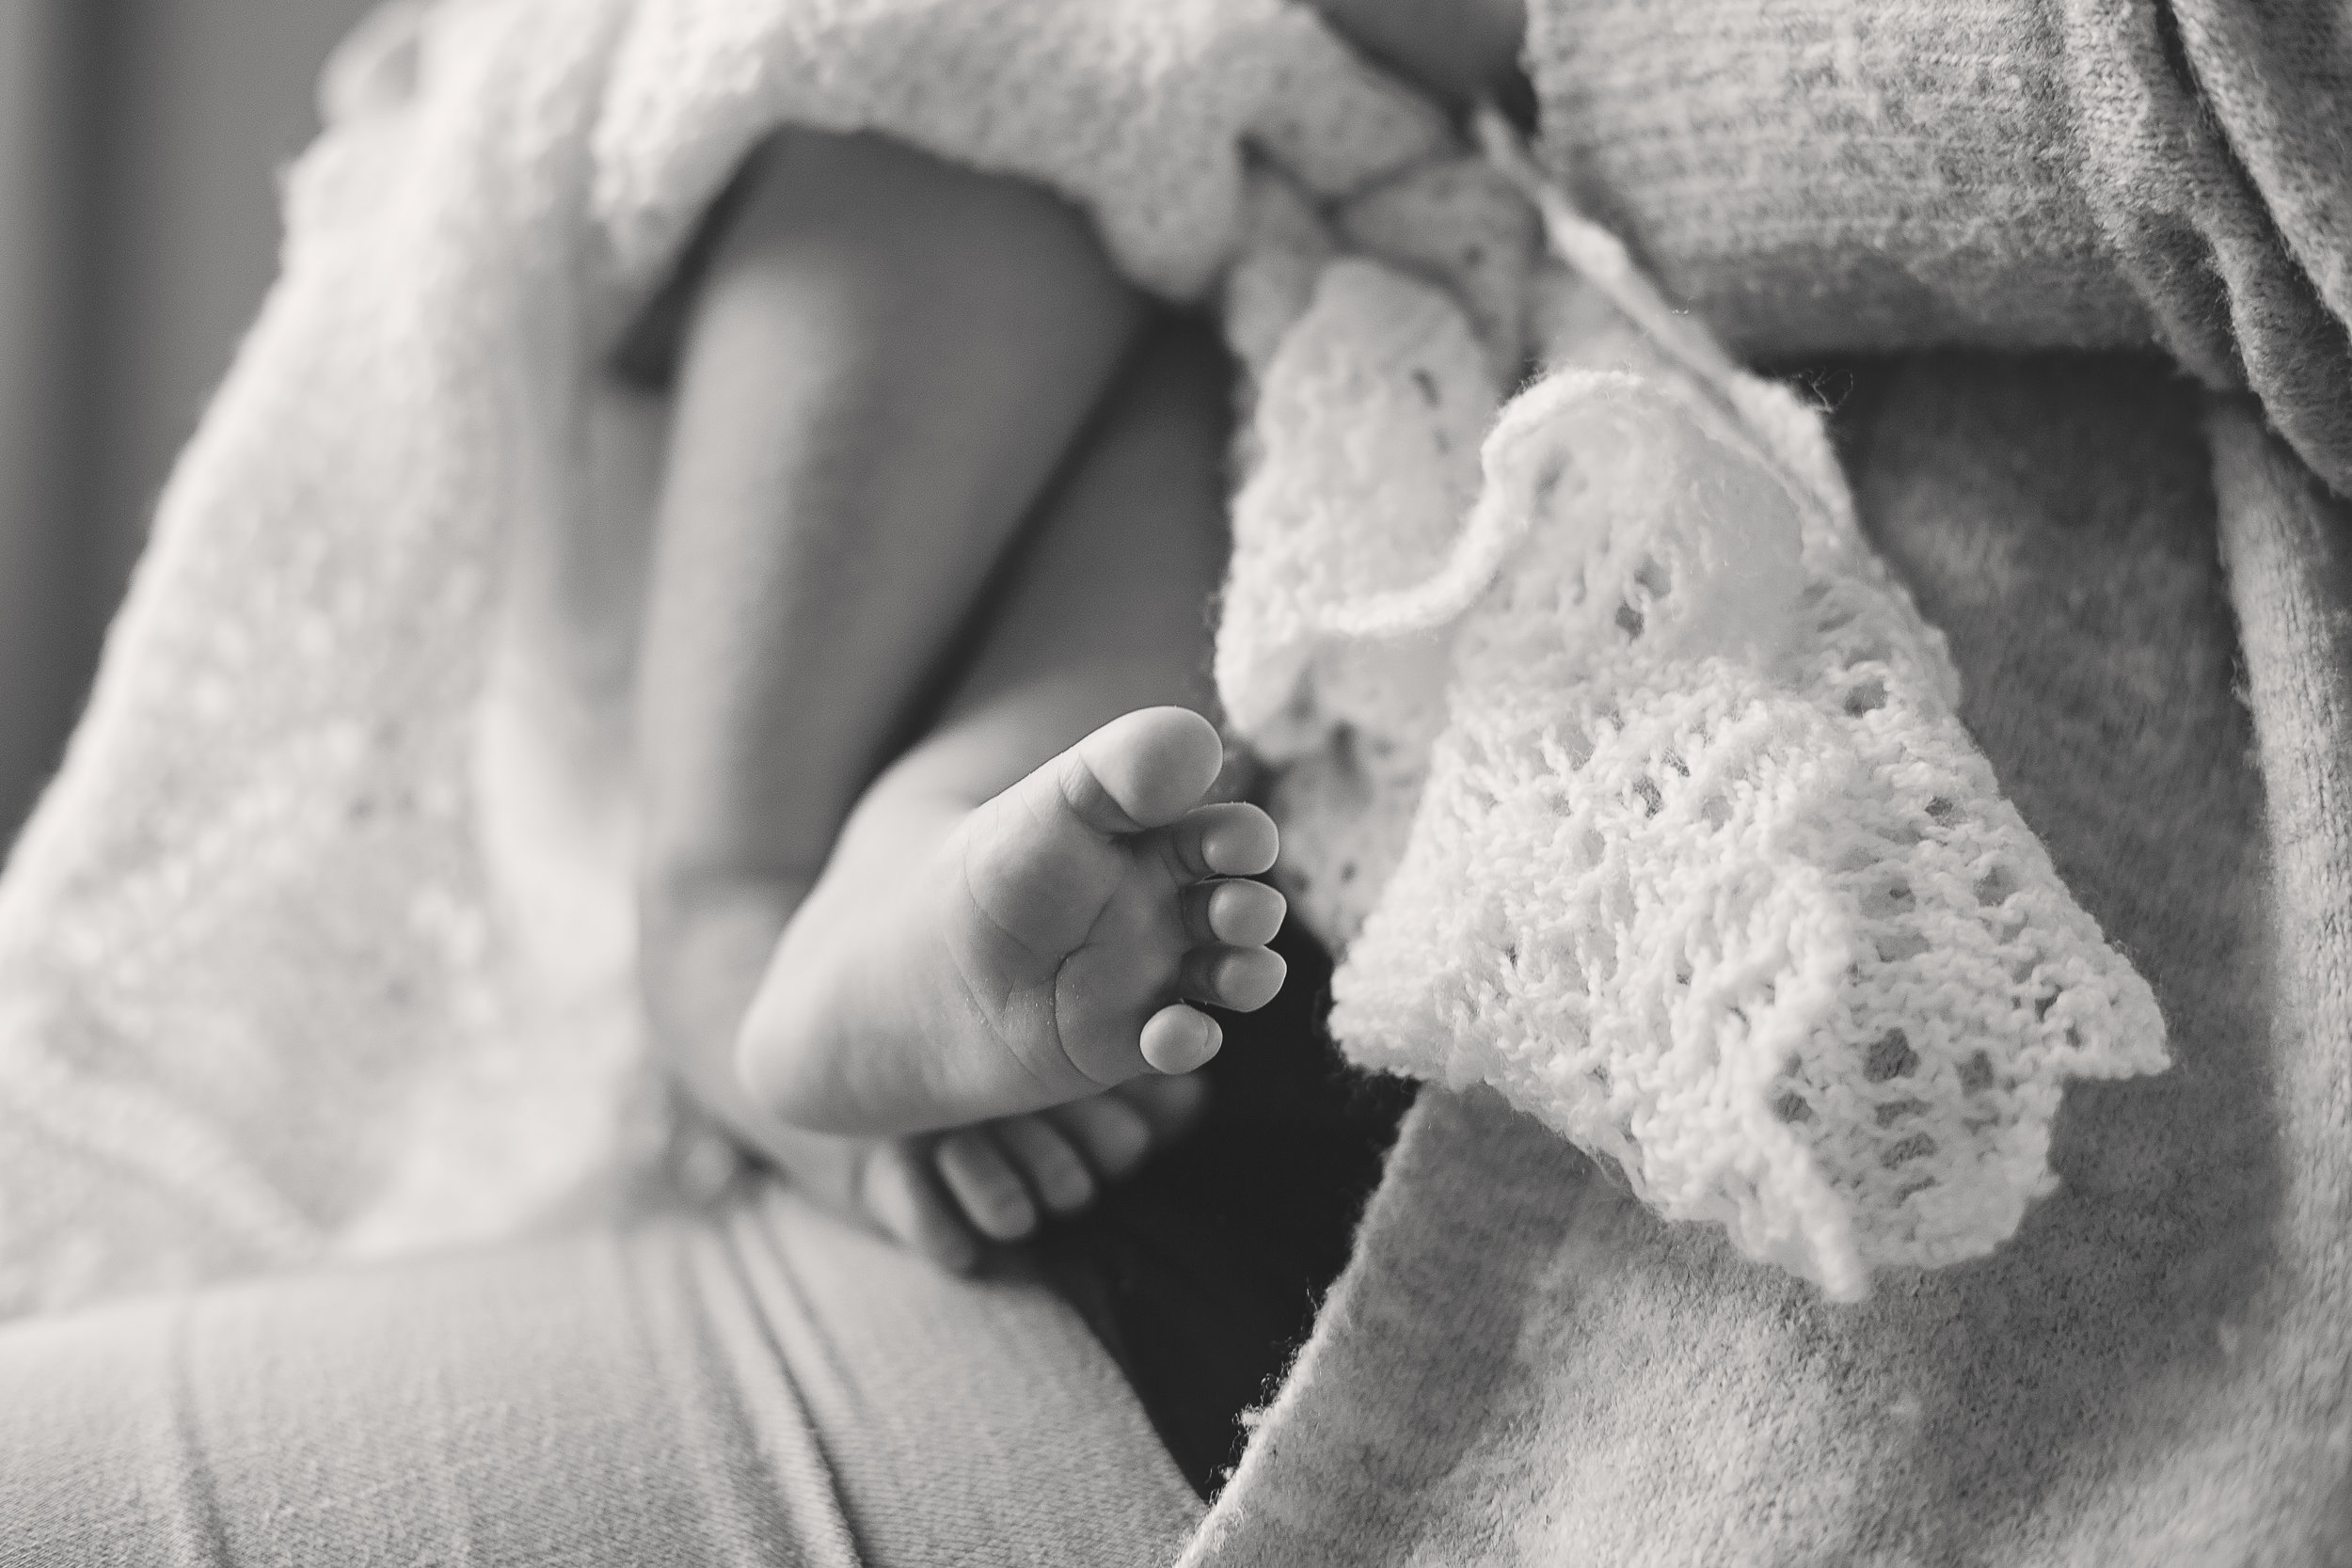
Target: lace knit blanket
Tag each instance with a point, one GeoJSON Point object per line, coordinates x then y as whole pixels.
{"type": "Point", "coordinates": [1623, 776]}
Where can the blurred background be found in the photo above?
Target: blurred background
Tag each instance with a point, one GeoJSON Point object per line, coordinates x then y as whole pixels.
{"type": "Point", "coordinates": [141, 143]}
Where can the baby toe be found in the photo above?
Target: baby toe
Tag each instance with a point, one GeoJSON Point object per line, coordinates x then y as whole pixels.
{"type": "Point", "coordinates": [1178, 1038]}
{"type": "Point", "coordinates": [1241, 978]}
{"type": "Point", "coordinates": [1046, 1160]}
{"type": "Point", "coordinates": [902, 1199]}
{"type": "Point", "coordinates": [1170, 1106]}
{"type": "Point", "coordinates": [1235, 840]}
{"type": "Point", "coordinates": [984, 1183]}
{"type": "Point", "coordinates": [1113, 1133]}
{"type": "Point", "coordinates": [1236, 914]}
{"type": "Point", "coordinates": [1142, 769]}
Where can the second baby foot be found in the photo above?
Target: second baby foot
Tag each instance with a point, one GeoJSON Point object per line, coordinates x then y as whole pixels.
{"type": "Point", "coordinates": [954, 966]}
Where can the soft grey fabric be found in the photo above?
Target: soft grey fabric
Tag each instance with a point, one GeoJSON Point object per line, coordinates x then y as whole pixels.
{"type": "Point", "coordinates": [1821, 176]}
{"type": "Point", "coordinates": [751, 1385]}
{"type": "Point", "coordinates": [1525, 1365]}
{"type": "Point", "coordinates": [2150, 601]}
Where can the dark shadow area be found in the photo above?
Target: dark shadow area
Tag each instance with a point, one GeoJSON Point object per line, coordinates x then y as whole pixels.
{"type": "Point", "coordinates": [1203, 1272]}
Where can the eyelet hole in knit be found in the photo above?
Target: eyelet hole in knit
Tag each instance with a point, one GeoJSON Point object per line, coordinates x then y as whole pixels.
{"type": "Point", "coordinates": [1976, 1073]}
{"type": "Point", "coordinates": [1994, 886]}
{"type": "Point", "coordinates": [1917, 1147]}
{"type": "Point", "coordinates": [1890, 1056]}
{"type": "Point", "coordinates": [1866, 698]}
{"type": "Point", "coordinates": [1888, 901]}
{"type": "Point", "coordinates": [1902, 946]}
{"type": "Point", "coordinates": [1568, 747]}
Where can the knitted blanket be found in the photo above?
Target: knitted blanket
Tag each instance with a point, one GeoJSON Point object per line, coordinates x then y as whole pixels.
{"type": "Point", "coordinates": [1632, 783]}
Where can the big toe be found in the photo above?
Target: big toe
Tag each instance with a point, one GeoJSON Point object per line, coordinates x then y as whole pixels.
{"type": "Point", "coordinates": [1145, 768]}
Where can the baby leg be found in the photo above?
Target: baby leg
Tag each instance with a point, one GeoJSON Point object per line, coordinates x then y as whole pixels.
{"type": "Point", "coordinates": [882, 366]}
{"type": "Point", "coordinates": [994, 936]}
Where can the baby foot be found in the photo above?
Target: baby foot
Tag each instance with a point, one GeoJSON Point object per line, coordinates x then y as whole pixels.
{"type": "Point", "coordinates": [1042, 948]}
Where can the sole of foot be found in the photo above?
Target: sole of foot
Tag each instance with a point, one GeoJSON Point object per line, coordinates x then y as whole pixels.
{"type": "Point", "coordinates": [1060, 940]}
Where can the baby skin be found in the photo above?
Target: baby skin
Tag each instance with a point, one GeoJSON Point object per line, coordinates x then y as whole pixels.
{"type": "Point", "coordinates": [935, 472]}
{"type": "Point", "coordinates": [956, 964]}
{"type": "Point", "coordinates": [962, 965]}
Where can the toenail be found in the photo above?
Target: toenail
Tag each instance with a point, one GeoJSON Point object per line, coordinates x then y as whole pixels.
{"type": "Point", "coordinates": [1233, 851]}
{"type": "Point", "coordinates": [1244, 975]}
{"type": "Point", "coordinates": [1248, 914]}
{"type": "Point", "coordinates": [1178, 1039]}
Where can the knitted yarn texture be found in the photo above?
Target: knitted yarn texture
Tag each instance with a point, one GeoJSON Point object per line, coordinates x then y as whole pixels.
{"type": "Point", "coordinates": [1657, 813]}
{"type": "Point", "coordinates": [1625, 776]}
